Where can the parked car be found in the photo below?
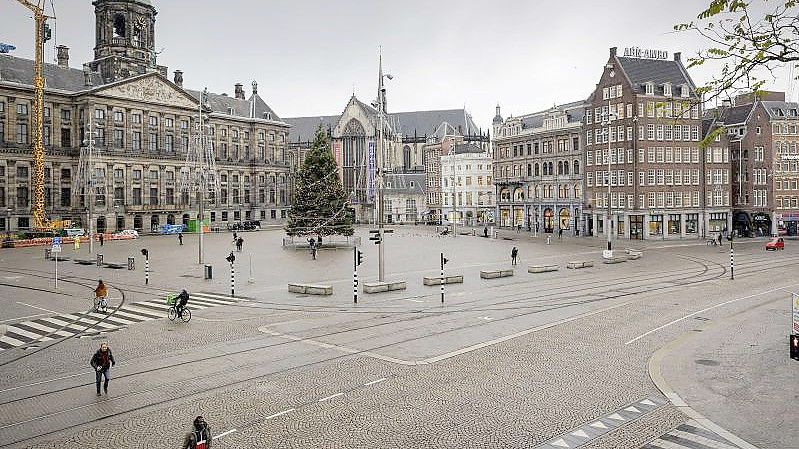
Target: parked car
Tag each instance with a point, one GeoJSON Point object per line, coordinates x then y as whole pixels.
{"type": "Point", "coordinates": [172, 229]}
{"type": "Point", "coordinates": [128, 232]}
{"type": "Point", "coordinates": [74, 232]}
{"type": "Point", "coordinates": [775, 244]}
{"type": "Point", "coordinates": [250, 225]}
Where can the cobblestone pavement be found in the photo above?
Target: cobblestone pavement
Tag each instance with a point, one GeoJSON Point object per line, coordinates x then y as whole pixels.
{"type": "Point", "coordinates": [513, 363]}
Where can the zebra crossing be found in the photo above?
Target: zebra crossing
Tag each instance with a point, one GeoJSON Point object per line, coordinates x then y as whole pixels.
{"type": "Point", "coordinates": [690, 435]}
{"type": "Point", "coordinates": [73, 324]}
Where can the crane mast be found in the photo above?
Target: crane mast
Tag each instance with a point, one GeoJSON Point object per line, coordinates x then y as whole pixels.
{"type": "Point", "coordinates": [40, 19]}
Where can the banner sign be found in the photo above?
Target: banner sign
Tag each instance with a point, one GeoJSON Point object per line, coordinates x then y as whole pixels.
{"type": "Point", "coordinates": [337, 153]}
{"type": "Point", "coordinates": [370, 182]}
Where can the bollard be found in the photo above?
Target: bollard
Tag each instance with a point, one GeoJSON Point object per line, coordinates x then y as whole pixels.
{"type": "Point", "coordinates": [131, 264]}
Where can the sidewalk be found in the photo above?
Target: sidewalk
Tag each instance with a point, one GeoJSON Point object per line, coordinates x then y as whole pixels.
{"type": "Point", "coordinates": [737, 373]}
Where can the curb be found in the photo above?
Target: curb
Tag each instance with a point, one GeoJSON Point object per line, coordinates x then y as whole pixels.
{"type": "Point", "coordinates": [660, 382]}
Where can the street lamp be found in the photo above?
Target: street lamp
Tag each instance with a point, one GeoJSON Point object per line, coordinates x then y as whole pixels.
{"type": "Point", "coordinates": [606, 121]}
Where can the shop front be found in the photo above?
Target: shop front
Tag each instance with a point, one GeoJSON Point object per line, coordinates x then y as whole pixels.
{"type": "Point", "coordinates": [761, 224]}
{"type": "Point", "coordinates": [637, 227]}
{"type": "Point", "coordinates": [692, 224]}
{"type": "Point", "coordinates": [565, 219]}
{"type": "Point", "coordinates": [656, 225]}
{"type": "Point", "coordinates": [518, 216]}
{"type": "Point", "coordinates": [674, 224]}
{"type": "Point", "coordinates": [788, 223]}
{"type": "Point", "coordinates": [549, 220]}
{"type": "Point", "coordinates": [740, 224]}
{"type": "Point", "coordinates": [718, 222]}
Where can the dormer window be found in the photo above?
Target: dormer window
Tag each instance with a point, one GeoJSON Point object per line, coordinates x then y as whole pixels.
{"type": "Point", "coordinates": [230, 111]}
{"type": "Point", "coordinates": [684, 91]}
{"type": "Point", "coordinates": [650, 88]}
{"type": "Point", "coordinates": [667, 89]}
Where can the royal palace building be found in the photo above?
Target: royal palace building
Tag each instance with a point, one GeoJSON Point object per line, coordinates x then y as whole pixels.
{"type": "Point", "coordinates": [141, 125]}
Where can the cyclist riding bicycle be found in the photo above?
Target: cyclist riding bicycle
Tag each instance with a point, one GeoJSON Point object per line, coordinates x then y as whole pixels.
{"type": "Point", "coordinates": [101, 294]}
{"type": "Point", "coordinates": [181, 301]}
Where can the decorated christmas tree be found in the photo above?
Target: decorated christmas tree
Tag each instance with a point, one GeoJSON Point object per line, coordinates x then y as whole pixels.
{"type": "Point", "coordinates": [320, 203]}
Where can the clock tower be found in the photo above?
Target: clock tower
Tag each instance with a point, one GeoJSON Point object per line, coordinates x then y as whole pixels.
{"type": "Point", "coordinates": [125, 39]}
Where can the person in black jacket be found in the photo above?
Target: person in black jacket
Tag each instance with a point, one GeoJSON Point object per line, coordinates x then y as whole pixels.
{"type": "Point", "coordinates": [199, 437]}
{"type": "Point", "coordinates": [102, 361]}
{"type": "Point", "coordinates": [182, 300]}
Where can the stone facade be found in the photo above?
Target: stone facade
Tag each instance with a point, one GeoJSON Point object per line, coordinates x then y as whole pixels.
{"type": "Point", "coordinates": [143, 125]}
{"type": "Point", "coordinates": [467, 184]}
{"type": "Point", "coordinates": [538, 171]}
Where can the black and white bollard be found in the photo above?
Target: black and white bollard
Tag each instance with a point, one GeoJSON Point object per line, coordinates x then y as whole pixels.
{"type": "Point", "coordinates": [357, 258]}
{"type": "Point", "coordinates": [444, 261]}
{"type": "Point", "coordinates": [232, 280]}
{"type": "Point", "coordinates": [146, 255]}
{"type": "Point", "coordinates": [732, 264]}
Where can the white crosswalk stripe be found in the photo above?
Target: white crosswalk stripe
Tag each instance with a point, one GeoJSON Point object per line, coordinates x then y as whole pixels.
{"type": "Point", "coordinates": [690, 435]}
{"type": "Point", "coordinates": [68, 325]}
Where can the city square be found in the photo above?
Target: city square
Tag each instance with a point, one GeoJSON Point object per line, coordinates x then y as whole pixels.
{"type": "Point", "coordinates": [427, 225]}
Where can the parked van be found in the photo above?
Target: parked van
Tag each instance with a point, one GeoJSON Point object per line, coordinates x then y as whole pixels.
{"type": "Point", "coordinates": [74, 232]}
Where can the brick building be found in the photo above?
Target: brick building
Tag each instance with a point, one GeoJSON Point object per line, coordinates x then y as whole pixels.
{"type": "Point", "coordinates": [643, 127]}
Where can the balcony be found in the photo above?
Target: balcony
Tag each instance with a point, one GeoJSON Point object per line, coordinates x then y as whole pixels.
{"type": "Point", "coordinates": [150, 208]}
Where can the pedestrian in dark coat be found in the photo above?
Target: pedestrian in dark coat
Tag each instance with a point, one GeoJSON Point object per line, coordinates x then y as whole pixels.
{"type": "Point", "coordinates": [239, 244]}
{"type": "Point", "coordinates": [102, 239]}
{"type": "Point", "coordinates": [199, 437]}
{"type": "Point", "coordinates": [514, 253]}
{"type": "Point", "coordinates": [560, 233]}
{"type": "Point", "coordinates": [180, 237]}
{"type": "Point", "coordinates": [102, 361]}
{"type": "Point", "coordinates": [485, 232]}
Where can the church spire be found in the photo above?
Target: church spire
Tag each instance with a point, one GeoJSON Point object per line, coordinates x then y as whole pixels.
{"type": "Point", "coordinates": [381, 88]}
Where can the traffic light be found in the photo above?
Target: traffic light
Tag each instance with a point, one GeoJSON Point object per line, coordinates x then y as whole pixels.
{"type": "Point", "coordinates": [47, 33]}
{"type": "Point", "coordinates": [231, 258]}
{"type": "Point", "coordinates": [360, 258]}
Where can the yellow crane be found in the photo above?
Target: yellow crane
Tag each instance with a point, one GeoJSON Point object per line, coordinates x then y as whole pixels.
{"type": "Point", "coordinates": [42, 34]}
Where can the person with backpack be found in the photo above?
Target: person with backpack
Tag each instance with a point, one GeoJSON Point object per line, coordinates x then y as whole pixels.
{"type": "Point", "coordinates": [102, 361]}
{"type": "Point", "coordinates": [199, 437]}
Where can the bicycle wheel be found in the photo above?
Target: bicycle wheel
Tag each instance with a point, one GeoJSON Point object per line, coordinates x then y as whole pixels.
{"type": "Point", "coordinates": [186, 316]}
{"type": "Point", "coordinates": [96, 305]}
{"type": "Point", "coordinates": [173, 313]}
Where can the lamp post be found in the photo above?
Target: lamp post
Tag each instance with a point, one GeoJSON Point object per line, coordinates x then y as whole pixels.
{"type": "Point", "coordinates": [608, 119]}
{"type": "Point", "coordinates": [381, 95]}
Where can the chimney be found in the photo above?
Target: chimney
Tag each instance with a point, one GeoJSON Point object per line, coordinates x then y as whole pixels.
{"type": "Point", "coordinates": [240, 91]}
{"type": "Point", "coordinates": [63, 56]}
{"type": "Point", "coordinates": [612, 52]}
{"type": "Point", "coordinates": [179, 78]}
{"type": "Point", "coordinates": [677, 56]}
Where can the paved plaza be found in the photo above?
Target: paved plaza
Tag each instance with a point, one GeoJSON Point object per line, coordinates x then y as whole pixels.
{"type": "Point", "coordinates": [664, 351]}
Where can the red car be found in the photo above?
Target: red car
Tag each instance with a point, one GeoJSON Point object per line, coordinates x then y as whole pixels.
{"type": "Point", "coordinates": [775, 244]}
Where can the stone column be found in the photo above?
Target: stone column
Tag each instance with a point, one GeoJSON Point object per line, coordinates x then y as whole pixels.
{"type": "Point", "coordinates": [646, 226]}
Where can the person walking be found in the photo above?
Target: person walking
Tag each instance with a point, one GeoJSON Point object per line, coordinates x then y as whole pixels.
{"type": "Point", "coordinates": [312, 246]}
{"type": "Point", "coordinates": [102, 361]}
{"type": "Point", "coordinates": [199, 436]}
{"type": "Point", "coordinates": [76, 243]}
{"type": "Point", "coordinates": [239, 244]}
{"type": "Point", "coordinates": [514, 253]}
{"type": "Point", "coordinates": [180, 237]}
{"type": "Point", "coordinates": [235, 237]}
{"type": "Point", "coordinates": [485, 232]}
{"type": "Point", "coordinates": [102, 238]}
{"type": "Point", "coordinates": [560, 233]}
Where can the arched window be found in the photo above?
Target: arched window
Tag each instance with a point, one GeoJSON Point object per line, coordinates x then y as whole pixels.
{"type": "Point", "coordinates": [529, 170]}
{"type": "Point", "coordinates": [560, 167]}
{"type": "Point", "coordinates": [577, 191]}
{"type": "Point", "coordinates": [119, 26]}
{"type": "Point", "coordinates": [406, 157]}
{"type": "Point", "coordinates": [576, 167]}
{"type": "Point", "coordinates": [565, 167]}
{"type": "Point", "coordinates": [551, 171]}
{"type": "Point", "coordinates": [537, 170]}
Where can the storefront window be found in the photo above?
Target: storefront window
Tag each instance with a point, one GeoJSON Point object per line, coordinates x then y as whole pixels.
{"type": "Point", "coordinates": [718, 221]}
{"type": "Point", "coordinates": [620, 225]}
{"type": "Point", "coordinates": [656, 225]}
{"type": "Point", "coordinates": [691, 223]}
{"type": "Point", "coordinates": [674, 224]}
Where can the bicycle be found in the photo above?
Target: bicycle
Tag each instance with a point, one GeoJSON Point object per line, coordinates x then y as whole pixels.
{"type": "Point", "coordinates": [100, 304]}
{"type": "Point", "coordinates": [185, 314]}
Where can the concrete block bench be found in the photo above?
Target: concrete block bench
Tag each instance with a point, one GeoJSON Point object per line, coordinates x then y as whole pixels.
{"type": "Point", "coordinates": [311, 289]}
{"type": "Point", "coordinates": [455, 279]}
{"type": "Point", "coordinates": [637, 253]}
{"type": "Point", "coordinates": [615, 259]}
{"type": "Point", "coordinates": [494, 274]}
{"type": "Point", "coordinates": [541, 268]}
{"type": "Point", "coordinates": [381, 287]}
{"type": "Point", "coordinates": [577, 264]}
{"type": "Point", "coordinates": [86, 261]}
{"type": "Point", "coordinates": [115, 266]}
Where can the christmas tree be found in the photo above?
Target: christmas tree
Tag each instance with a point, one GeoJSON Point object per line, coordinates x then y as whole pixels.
{"type": "Point", "coordinates": [320, 203]}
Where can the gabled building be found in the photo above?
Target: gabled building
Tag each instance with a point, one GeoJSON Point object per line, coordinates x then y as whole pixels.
{"type": "Point", "coordinates": [645, 174]}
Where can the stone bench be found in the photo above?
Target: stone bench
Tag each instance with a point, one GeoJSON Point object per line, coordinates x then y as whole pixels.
{"type": "Point", "coordinates": [86, 261]}
{"type": "Point", "coordinates": [577, 264]}
{"type": "Point", "coordinates": [494, 274]}
{"type": "Point", "coordinates": [311, 289]}
{"type": "Point", "coordinates": [541, 268]}
{"type": "Point", "coordinates": [381, 287]}
{"type": "Point", "coordinates": [454, 279]}
{"type": "Point", "coordinates": [614, 259]}
{"type": "Point", "coordinates": [634, 253]}
{"type": "Point", "coordinates": [115, 266]}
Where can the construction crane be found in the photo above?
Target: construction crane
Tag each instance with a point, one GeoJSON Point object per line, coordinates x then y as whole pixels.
{"type": "Point", "coordinates": [43, 34]}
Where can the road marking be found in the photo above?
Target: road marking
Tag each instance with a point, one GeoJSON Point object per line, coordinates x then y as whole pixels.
{"type": "Point", "coordinates": [414, 300]}
{"type": "Point", "coordinates": [382, 379]}
{"type": "Point", "coordinates": [225, 433]}
{"type": "Point", "coordinates": [24, 317]}
{"type": "Point", "coordinates": [331, 397]}
{"type": "Point", "coordinates": [38, 308]}
{"type": "Point", "coordinates": [486, 318]}
{"type": "Point", "coordinates": [705, 310]}
{"type": "Point", "coordinates": [280, 413]}
{"type": "Point", "coordinates": [598, 425]}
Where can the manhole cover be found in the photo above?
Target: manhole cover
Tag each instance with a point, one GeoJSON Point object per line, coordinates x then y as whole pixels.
{"type": "Point", "coordinates": [707, 362]}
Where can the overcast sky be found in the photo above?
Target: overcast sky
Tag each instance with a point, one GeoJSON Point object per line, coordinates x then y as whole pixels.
{"type": "Point", "coordinates": [309, 55]}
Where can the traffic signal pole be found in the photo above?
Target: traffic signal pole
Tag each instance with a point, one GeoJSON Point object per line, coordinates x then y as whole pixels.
{"type": "Point", "coordinates": [355, 275]}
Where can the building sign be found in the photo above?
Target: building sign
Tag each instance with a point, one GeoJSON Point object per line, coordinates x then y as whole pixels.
{"type": "Point", "coordinates": [645, 53]}
{"type": "Point", "coordinates": [370, 180]}
{"type": "Point", "coordinates": [790, 157]}
{"type": "Point", "coordinates": [795, 310]}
